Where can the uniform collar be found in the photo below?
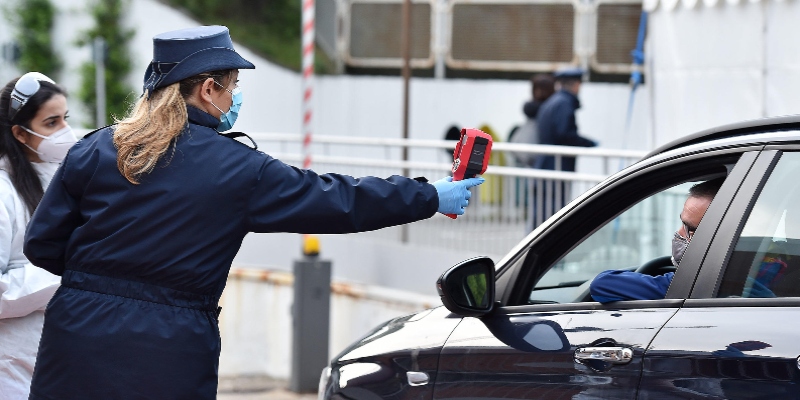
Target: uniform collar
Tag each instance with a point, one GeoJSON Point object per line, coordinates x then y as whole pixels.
{"type": "Point", "coordinates": [200, 117]}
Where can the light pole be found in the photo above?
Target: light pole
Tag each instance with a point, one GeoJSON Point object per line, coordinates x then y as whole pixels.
{"type": "Point", "coordinates": [99, 50]}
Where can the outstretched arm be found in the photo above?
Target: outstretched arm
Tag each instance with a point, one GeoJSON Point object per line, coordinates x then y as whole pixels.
{"type": "Point", "coordinates": [288, 199]}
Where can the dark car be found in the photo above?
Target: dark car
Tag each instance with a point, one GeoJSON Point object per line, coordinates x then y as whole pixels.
{"type": "Point", "coordinates": [528, 328]}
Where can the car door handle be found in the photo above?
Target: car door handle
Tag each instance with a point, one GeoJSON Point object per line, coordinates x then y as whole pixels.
{"type": "Point", "coordinates": [417, 378]}
{"type": "Point", "coordinates": [613, 355]}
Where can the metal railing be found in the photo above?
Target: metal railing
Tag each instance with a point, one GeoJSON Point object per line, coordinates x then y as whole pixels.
{"type": "Point", "coordinates": [502, 211]}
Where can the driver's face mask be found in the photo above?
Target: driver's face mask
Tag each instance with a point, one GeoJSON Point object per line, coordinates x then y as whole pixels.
{"type": "Point", "coordinates": [679, 245]}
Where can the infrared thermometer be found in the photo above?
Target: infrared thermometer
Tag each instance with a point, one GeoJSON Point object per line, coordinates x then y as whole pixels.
{"type": "Point", "coordinates": [471, 156]}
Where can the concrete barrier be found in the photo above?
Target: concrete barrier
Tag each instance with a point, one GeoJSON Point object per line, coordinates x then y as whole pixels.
{"type": "Point", "coordinates": [256, 319]}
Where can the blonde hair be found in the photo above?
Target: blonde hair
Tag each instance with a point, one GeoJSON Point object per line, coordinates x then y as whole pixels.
{"type": "Point", "coordinates": [153, 124]}
{"type": "Point", "coordinates": [149, 130]}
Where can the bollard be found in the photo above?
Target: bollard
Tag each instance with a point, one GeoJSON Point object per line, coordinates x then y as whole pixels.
{"type": "Point", "coordinates": [310, 318]}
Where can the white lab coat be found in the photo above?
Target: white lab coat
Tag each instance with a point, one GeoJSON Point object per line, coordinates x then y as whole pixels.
{"type": "Point", "coordinates": [24, 290]}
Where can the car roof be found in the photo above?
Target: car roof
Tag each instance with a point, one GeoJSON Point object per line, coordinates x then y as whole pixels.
{"type": "Point", "coordinates": [731, 130]}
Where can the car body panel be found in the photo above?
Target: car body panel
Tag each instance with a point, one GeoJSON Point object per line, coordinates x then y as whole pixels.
{"type": "Point", "coordinates": [510, 356]}
{"type": "Point", "coordinates": [375, 367]}
{"type": "Point", "coordinates": [713, 351]}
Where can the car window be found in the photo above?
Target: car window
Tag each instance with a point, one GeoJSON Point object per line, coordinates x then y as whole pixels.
{"type": "Point", "coordinates": [641, 234]}
{"type": "Point", "coordinates": [765, 261]}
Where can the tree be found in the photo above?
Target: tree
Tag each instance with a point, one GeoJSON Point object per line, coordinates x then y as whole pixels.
{"type": "Point", "coordinates": [33, 21]}
{"type": "Point", "coordinates": [108, 26]}
{"type": "Point", "coordinates": [268, 27]}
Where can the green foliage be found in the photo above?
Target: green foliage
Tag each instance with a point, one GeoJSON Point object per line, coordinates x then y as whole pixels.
{"type": "Point", "coordinates": [268, 27]}
{"type": "Point", "coordinates": [108, 15]}
{"type": "Point", "coordinates": [33, 21]}
{"type": "Point", "coordinates": [477, 288]}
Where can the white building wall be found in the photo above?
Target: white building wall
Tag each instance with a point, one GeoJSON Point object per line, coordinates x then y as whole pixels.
{"type": "Point", "coordinates": [371, 106]}
{"type": "Point", "coordinates": [729, 62]}
{"type": "Point", "coordinates": [782, 58]}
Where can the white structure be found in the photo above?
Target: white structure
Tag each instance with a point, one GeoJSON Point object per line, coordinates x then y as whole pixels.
{"type": "Point", "coordinates": [713, 62]}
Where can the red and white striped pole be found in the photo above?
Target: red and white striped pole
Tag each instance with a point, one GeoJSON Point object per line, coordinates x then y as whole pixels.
{"type": "Point", "coordinates": [308, 77]}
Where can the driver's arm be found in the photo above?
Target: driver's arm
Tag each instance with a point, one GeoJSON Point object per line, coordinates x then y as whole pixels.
{"type": "Point", "coordinates": [614, 285]}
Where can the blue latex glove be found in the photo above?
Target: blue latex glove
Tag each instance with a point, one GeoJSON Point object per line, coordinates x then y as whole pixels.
{"type": "Point", "coordinates": [454, 196]}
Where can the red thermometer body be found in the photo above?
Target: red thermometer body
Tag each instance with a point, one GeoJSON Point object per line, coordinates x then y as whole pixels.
{"type": "Point", "coordinates": [471, 156]}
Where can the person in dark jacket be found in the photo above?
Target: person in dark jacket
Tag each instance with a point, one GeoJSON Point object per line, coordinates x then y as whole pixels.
{"type": "Point", "coordinates": [617, 285]}
{"type": "Point", "coordinates": [542, 87]}
{"type": "Point", "coordinates": [556, 126]}
{"type": "Point", "coordinates": [556, 120]}
{"type": "Point", "coordinates": [143, 219]}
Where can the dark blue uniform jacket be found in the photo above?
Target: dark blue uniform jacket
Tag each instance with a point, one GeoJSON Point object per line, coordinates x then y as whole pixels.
{"type": "Point", "coordinates": [616, 285]}
{"type": "Point", "coordinates": [556, 125]}
{"type": "Point", "coordinates": [143, 266]}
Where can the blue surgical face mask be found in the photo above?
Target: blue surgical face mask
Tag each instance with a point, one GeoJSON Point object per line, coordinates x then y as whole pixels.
{"type": "Point", "coordinates": [227, 119]}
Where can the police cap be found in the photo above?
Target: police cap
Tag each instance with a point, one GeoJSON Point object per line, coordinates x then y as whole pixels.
{"type": "Point", "coordinates": [569, 73]}
{"type": "Point", "coordinates": [184, 53]}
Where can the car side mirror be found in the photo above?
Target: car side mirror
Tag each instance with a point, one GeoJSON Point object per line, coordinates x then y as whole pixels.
{"type": "Point", "coordinates": [467, 289]}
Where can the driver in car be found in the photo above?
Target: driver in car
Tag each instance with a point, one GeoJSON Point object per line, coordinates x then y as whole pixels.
{"type": "Point", "coordinates": [616, 285]}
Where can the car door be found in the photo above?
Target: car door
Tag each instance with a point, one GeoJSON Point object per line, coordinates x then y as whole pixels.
{"type": "Point", "coordinates": [545, 340]}
{"type": "Point", "coordinates": [736, 336]}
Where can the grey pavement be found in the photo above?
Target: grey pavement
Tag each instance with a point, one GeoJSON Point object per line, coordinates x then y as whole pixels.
{"type": "Point", "coordinates": [258, 388]}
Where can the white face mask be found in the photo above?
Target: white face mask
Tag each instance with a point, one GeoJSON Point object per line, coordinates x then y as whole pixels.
{"type": "Point", "coordinates": [54, 148]}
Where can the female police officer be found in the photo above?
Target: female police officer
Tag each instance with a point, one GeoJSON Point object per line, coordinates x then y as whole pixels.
{"type": "Point", "coordinates": [143, 219]}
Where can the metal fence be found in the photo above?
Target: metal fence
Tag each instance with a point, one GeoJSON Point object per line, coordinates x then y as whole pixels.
{"type": "Point", "coordinates": [502, 211]}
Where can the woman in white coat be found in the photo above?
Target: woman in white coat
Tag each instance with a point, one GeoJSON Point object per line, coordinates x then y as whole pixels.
{"type": "Point", "coordinates": [34, 138]}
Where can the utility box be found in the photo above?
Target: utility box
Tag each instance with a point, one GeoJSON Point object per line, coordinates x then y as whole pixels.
{"type": "Point", "coordinates": [310, 323]}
